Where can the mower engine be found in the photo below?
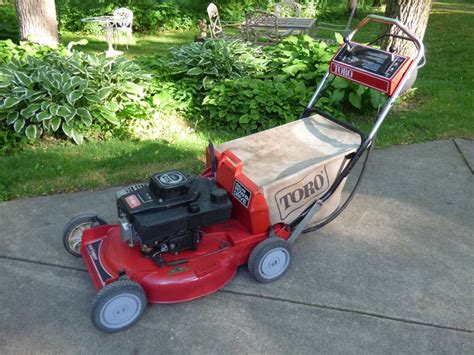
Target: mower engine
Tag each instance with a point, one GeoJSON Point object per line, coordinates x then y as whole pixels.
{"type": "Point", "coordinates": [165, 215]}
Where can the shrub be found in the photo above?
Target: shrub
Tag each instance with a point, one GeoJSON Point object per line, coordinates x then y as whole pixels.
{"type": "Point", "coordinates": [207, 63]}
{"type": "Point", "coordinates": [75, 94]}
{"type": "Point", "coordinates": [9, 139]}
{"type": "Point", "coordinates": [9, 50]}
{"type": "Point", "coordinates": [148, 15]}
{"type": "Point", "coordinates": [300, 57]}
{"type": "Point", "coordinates": [8, 22]}
{"type": "Point", "coordinates": [307, 60]}
{"type": "Point", "coordinates": [249, 105]}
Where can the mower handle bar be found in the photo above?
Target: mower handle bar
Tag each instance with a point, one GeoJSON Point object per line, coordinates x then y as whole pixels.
{"type": "Point", "coordinates": [369, 140]}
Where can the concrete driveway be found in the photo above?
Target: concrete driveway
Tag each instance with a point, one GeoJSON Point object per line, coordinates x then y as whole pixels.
{"type": "Point", "coordinates": [393, 274]}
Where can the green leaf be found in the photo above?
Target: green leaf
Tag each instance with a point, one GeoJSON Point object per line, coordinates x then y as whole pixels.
{"type": "Point", "coordinates": [293, 69]}
{"type": "Point", "coordinates": [93, 98]}
{"type": "Point", "coordinates": [339, 38]}
{"type": "Point", "coordinates": [77, 136]}
{"type": "Point", "coordinates": [361, 90]}
{"type": "Point", "coordinates": [66, 129]}
{"type": "Point", "coordinates": [43, 115]}
{"type": "Point", "coordinates": [31, 131]}
{"type": "Point", "coordinates": [73, 96]}
{"type": "Point", "coordinates": [23, 78]}
{"type": "Point", "coordinates": [55, 123]}
{"type": "Point", "coordinates": [64, 111]}
{"type": "Point", "coordinates": [337, 96]}
{"type": "Point", "coordinates": [110, 116]}
{"type": "Point", "coordinates": [207, 83]}
{"type": "Point", "coordinates": [194, 71]}
{"type": "Point", "coordinates": [12, 117]}
{"type": "Point", "coordinates": [85, 116]}
{"type": "Point", "coordinates": [54, 109]}
{"type": "Point", "coordinates": [376, 98]}
{"type": "Point", "coordinates": [244, 119]}
{"type": "Point", "coordinates": [212, 71]}
{"type": "Point", "coordinates": [11, 101]}
{"type": "Point", "coordinates": [68, 118]}
{"type": "Point", "coordinates": [355, 100]}
{"type": "Point", "coordinates": [340, 83]}
{"type": "Point", "coordinates": [112, 106]}
{"type": "Point", "coordinates": [19, 124]}
{"type": "Point", "coordinates": [104, 92]}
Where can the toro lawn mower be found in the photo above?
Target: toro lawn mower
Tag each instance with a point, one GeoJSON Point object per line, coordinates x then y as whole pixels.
{"type": "Point", "coordinates": [179, 237]}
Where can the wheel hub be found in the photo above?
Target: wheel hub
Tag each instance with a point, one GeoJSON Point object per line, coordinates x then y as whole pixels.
{"type": "Point", "coordinates": [274, 263]}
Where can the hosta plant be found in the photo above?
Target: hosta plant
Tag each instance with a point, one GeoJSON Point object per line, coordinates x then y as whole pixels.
{"type": "Point", "coordinates": [68, 94]}
{"type": "Point", "coordinates": [212, 61]}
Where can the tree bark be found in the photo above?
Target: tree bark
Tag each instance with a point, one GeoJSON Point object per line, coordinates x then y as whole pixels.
{"type": "Point", "coordinates": [412, 13]}
{"type": "Point", "coordinates": [37, 21]}
{"type": "Point", "coordinates": [351, 5]}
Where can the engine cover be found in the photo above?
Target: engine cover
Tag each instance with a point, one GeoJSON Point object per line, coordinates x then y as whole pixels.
{"type": "Point", "coordinates": [168, 211]}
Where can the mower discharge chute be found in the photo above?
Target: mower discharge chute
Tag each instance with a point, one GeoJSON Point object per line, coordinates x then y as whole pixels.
{"type": "Point", "coordinates": [179, 237]}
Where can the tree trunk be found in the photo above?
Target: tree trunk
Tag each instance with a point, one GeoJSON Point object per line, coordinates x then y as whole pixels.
{"type": "Point", "coordinates": [37, 21]}
{"type": "Point", "coordinates": [351, 6]}
{"type": "Point", "coordinates": [413, 14]}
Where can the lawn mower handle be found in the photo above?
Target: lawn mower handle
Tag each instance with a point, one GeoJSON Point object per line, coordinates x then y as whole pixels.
{"type": "Point", "coordinates": [390, 21]}
{"type": "Point", "coordinates": [300, 223]}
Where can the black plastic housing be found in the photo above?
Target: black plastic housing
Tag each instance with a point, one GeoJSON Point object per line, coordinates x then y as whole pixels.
{"type": "Point", "coordinates": [166, 212]}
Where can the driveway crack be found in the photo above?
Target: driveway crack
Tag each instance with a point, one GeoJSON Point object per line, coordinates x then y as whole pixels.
{"type": "Point", "coordinates": [279, 299]}
{"type": "Point", "coordinates": [463, 156]}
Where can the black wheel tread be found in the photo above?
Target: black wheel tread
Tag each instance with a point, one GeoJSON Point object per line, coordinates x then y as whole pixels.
{"type": "Point", "coordinates": [75, 221]}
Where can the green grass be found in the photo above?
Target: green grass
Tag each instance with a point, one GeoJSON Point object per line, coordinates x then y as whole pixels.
{"type": "Point", "coordinates": [158, 44]}
{"type": "Point", "coordinates": [442, 107]}
{"type": "Point", "coordinates": [49, 169]}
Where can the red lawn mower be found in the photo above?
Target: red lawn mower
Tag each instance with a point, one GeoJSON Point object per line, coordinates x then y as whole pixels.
{"type": "Point", "coordinates": [180, 238]}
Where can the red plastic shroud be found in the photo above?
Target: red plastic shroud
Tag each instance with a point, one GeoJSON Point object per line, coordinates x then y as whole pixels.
{"type": "Point", "coordinates": [191, 273]}
{"type": "Point", "coordinates": [371, 80]}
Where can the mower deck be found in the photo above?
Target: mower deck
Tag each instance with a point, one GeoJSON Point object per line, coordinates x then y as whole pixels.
{"type": "Point", "coordinates": [183, 277]}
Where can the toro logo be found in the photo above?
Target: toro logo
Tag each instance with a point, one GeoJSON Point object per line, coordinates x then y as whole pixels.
{"type": "Point", "coordinates": [133, 201]}
{"type": "Point", "coordinates": [299, 194]}
{"type": "Point", "coordinates": [342, 71]}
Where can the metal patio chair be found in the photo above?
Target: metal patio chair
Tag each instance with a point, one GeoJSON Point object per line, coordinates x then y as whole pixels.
{"type": "Point", "coordinates": [216, 27]}
{"type": "Point", "coordinates": [123, 24]}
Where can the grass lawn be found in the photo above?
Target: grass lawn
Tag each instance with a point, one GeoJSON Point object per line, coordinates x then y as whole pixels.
{"type": "Point", "coordinates": [144, 44]}
{"type": "Point", "coordinates": [442, 107]}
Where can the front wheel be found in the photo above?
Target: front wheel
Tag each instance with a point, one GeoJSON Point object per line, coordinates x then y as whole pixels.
{"type": "Point", "coordinates": [72, 235]}
{"type": "Point", "coordinates": [270, 260]}
{"type": "Point", "coordinates": [117, 306]}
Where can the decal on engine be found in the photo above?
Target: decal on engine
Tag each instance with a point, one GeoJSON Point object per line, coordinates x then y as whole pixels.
{"type": "Point", "coordinates": [94, 251]}
{"type": "Point", "coordinates": [133, 201]}
{"type": "Point", "coordinates": [241, 193]}
{"type": "Point", "coordinates": [297, 195]}
{"type": "Point", "coordinates": [171, 178]}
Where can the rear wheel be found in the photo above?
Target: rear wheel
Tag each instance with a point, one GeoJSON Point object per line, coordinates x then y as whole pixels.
{"type": "Point", "coordinates": [72, 235]}
{"type": "Point", "coordinates": [270, 260]}
{"type": "Point", "coordinates": [118, 306]}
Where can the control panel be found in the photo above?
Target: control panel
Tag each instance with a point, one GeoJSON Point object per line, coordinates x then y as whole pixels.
{"type": "Point", "coordinates": [372, 67]}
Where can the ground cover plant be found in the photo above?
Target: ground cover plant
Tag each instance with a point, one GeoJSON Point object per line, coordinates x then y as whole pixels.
{"type": "Point", "coordinates": [441, 107]}
{"type": "Point", "coordinates": [69, 92]}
